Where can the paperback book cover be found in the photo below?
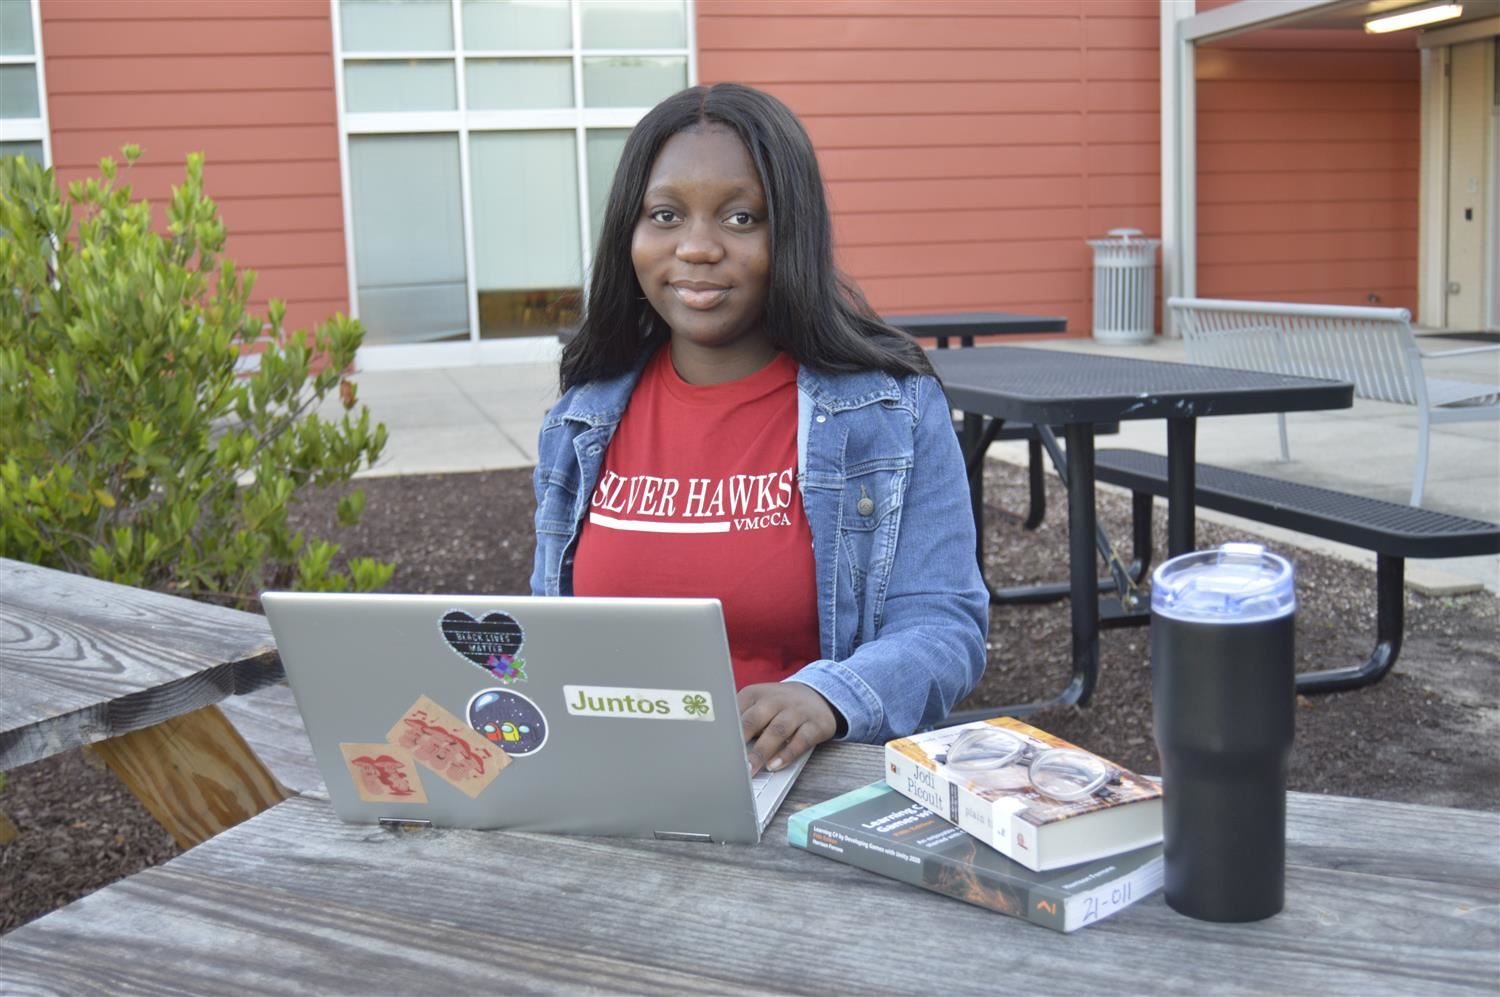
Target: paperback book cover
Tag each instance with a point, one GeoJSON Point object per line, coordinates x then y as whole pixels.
{"type": "Point", "coordinates": [998, 802]}
{"type": "Point", "coordinates": [877, 829]}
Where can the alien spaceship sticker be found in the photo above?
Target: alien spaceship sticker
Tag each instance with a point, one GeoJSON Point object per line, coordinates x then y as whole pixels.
{"type": "Point", "coordinates": [491, 642]}
{"type": "Point", "coordinates": [509, 721]}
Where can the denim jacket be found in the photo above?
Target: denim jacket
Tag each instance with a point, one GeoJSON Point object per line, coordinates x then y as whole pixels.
{"type": "Point", "coordinates": [902, 610]}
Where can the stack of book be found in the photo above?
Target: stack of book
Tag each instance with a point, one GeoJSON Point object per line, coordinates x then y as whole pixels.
{"type": "Point", "coordinates": [973, 812]}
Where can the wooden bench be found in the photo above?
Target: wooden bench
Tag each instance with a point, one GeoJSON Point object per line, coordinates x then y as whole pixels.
{"type": "Point", "coordinates": [1371, 347]}
{"type": "Point", "coordinates": [136, 675]}
{"type": "Point", "coordinates": [1392, 531]}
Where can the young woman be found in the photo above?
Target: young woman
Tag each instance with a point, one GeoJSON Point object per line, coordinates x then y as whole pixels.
{"type": "Point", "coordinates": [736, 423]}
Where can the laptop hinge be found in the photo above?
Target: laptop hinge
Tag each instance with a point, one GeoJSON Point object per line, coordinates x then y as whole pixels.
{"type": "Point", "coordinates": [682, 836]}
{"type": "Point", "coordinates": [404, 823]}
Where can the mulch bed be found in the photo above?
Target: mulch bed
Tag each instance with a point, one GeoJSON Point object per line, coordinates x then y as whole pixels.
{"type": "Point", "coordinates": [1425, 734]}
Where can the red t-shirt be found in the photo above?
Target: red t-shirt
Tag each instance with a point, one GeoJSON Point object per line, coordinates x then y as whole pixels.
{"type": "Point", "coordinates": [698, 497]}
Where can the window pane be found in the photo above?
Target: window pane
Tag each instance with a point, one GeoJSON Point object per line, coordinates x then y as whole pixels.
{"type": "Point", "coordinates": [399, 85]}
{"type": "Point", "coordinates": [517, 24]}
{"type": "Point", "coordinates": [15, 29]}
{"type": "Point", "coordinates": [509, 84]}
{"type": "Point", "coordinates": [18, 97]}
{"type": "Point", "coordinates": [408, 237]}
{"type": "Point", "coordinates": [525, 191]}
{"type": "Point", "coordinates": [396, 25]}
{"type": "Point", "coordinates": [631, 81]}
{"type": "Point", "coordinates": [31, 150]}
{"type": "Point", "coordinates": [634, 24]}
{"type": "Point", "coordinates": [603, 146]}
{"type": "Point", "coordinates": [528, 313]}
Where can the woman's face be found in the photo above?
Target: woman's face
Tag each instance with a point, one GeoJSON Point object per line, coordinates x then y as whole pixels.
{"type": "Point", "coordinates": [702, 254]}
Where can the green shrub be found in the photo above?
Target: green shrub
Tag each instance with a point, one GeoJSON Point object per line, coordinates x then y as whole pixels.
{"type": "Point", "coordinates": [131, 448]}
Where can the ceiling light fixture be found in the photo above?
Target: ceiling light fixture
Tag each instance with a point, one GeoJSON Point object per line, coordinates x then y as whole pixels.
{"type": "Point", "coordinates": [1414, 18]}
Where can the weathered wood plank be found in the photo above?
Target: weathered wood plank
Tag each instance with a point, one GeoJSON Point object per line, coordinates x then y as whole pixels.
{"type": "Point", "coordinates": [83, 660]}
{"type": "Point", "coordinates": [449, 911]}
{"type": "Point", "coordinates": [269, 722]}
{"type": "Point", "coordinates": [194, 773]}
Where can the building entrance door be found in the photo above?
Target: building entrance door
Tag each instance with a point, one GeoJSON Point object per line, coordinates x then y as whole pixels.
{"type": "Point", "coordinates": [1469, 260]}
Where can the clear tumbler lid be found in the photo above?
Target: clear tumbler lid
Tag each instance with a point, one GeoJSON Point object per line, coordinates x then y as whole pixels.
{"type": "Point", "coordinates": [1237, 583]}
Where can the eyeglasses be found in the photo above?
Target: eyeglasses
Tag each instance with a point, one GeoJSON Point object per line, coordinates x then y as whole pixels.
{"type": "Point", "coordinates": [1064, 774]}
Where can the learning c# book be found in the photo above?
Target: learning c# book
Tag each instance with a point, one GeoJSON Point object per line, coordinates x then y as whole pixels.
{"type": "Point", "coordinates": [879, 830]}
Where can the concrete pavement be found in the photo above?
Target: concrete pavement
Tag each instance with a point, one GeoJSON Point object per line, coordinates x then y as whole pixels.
{"type": "Point", "coordinates": [486, 418]}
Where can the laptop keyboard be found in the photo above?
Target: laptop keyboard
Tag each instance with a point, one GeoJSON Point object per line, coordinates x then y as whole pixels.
{"type": "Point", "coordinates": [770, 788]}
{"type": "Point", "coordinates": [758, 783]}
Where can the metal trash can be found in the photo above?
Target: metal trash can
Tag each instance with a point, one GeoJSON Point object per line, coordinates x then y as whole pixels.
{"type": "Point", "coordinates": [1124, 287]}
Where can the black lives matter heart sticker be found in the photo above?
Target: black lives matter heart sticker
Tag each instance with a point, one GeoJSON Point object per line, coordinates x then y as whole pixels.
{"type": "Point", "coordinates": [492, 642]}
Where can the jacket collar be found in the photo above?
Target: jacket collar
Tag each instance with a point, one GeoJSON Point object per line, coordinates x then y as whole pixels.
{"type": "Point", "coordinates": [844, 390]}
{"type": "Point", "coordinates": [602, 402]}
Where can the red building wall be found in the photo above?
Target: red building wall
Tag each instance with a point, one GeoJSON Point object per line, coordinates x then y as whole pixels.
{"type": "Point", "coordinates": [1308, 149]}
{"type": "Point", "coordinates": [969, 147]}
{"type": "Point", "coordinates": [247, 82]}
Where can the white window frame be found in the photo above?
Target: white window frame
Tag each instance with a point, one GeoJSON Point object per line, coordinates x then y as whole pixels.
{"type": "Point", "coordinates": [36, 129]}
{"type": "Point", "coordinates": [463, 123]}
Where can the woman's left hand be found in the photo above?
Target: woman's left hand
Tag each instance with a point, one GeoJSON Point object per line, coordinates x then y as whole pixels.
{"type": "Point", "coordinates": [783, 721]}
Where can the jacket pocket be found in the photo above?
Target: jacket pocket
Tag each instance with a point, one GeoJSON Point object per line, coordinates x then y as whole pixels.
{"type": "Point", "coordinates": [869, 516]}
{"type": "Point", "coordinates": [559, 497]}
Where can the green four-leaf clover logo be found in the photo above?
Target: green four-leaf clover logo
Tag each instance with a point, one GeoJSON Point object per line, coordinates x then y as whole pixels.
{"type": "Point", "coordinates": [695, 704]}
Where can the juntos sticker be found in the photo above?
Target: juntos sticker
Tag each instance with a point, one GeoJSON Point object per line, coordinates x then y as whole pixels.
{"type": "Point", "coordinates": [492, 642]}
{"type": "Point", "coordinates": [642, 704]}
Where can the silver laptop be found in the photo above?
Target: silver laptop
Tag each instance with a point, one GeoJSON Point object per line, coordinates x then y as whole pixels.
{"type": "Point", "coordinates": [573, 715]}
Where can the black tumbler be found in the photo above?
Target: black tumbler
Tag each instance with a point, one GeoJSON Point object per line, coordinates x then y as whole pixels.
{"type": "Point", "coordinates": [1223, 691]}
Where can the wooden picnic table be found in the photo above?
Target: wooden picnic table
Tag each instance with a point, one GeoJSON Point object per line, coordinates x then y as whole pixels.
{"type": "Point", "coordinates": [136, 674]}
{"type": "Point", "coordinates": [1381, 898]}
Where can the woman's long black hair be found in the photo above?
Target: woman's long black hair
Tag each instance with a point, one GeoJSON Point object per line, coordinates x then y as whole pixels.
{"type": "Point", "coordinates": [813, 312]}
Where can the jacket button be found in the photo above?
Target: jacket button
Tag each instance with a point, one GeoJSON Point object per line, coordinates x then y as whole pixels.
{"type": "Point", "coordinates": [594, 451]}
{"type": "Point", "coordinates": [865, 506]}
{"type": "Point", "coordinates": [821, 418]}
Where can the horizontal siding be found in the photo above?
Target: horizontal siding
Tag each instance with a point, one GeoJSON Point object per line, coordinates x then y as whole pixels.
{"type": "Point", "coordinates": [125, 35]}
{"type": "Point", "coordinates": [191, 110]}
{"type": "Point", "coordinates": [1295, 221]}
{"type": "Point", "coordinates": [1308, 165]}
{"type": "Point", "coordinates": [969, 149]}
{"type": "Point", "coordinates": [249, 83]}
{"type": "Point", "coordinates": [171, 10]}
{"type": "Point", "coordinates": [257, 144]}
{"type": "Point", "coordinates": [1299, 124]}
{"type": "Point", "coordinates": [175, 74]}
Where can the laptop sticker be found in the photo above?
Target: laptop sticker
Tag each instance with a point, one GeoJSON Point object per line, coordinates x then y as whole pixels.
{"type": "Point", "coordinates": [445, 745]}
{"type": "Point", "coordinates": [492, 642]}
{"type": "Point", "coordinates": [383, 773]}
{"type": "Point", "coordinates": [643, 704]}
{"type": "Point", "coordinates": [509, 720]}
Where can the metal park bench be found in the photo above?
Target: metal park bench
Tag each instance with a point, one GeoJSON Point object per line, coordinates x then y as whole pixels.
{"type": "Point", "coordinates": [1372, 347]}
{"type": "Point", "coordinates": [1392, 531]}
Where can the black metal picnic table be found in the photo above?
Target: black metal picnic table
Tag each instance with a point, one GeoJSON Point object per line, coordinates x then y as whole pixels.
{"type": "Point", "coordinates": [942, 327]}
{"type": "Point", "coordinates": [966, 326]}
{"type": "Point", "coordinates": [1050, 387]}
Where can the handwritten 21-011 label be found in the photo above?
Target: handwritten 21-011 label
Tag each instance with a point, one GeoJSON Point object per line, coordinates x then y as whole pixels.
{"type": "Point", "coordinates": [642, 704]}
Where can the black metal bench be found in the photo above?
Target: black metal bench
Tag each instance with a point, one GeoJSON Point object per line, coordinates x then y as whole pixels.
{"type": "Point", "coordinates": [1392, 531]}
